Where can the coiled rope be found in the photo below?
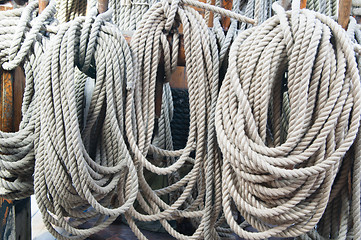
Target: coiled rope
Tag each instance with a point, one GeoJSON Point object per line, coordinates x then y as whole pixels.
{"type": "Point", "coordinates": [202, 70]}
{"type": "Point", "coordinates": [341, 219]}
{"type": "Point", "coordinates": [327, 7]}
{"type": "Point", "coordinates": [79, 171]}
{"type": "Point", "coordinates": [19, 43]}
{"type": "Point", "coordinates": [69, 9]}
{"type": "Point", "coordinates": [356, 8]}
{"type": "Point", "coordinates": [281, 185]}
{"type": "Point", "coordinates": [200, 198]}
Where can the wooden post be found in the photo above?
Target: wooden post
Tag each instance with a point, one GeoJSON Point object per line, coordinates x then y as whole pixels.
{"type": "Point", "coordinates": [303, 4]}
{"type": "Point", "coordinates": [15, 215]}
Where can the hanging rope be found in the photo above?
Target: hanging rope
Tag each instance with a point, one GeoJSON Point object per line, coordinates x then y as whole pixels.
{"type": "Point", "coordinates": [356, 8]}
{"type": "Point", "coordinates": [282, 186]}
{"type": "Point", "coordinates": [327, 7]}
{"type": "Point", "coordinates": [147, 44]}
{"type": "Point", "coordinates": [77, 173]}
{"type": "Point", "coordinates": [20, 44]}
{"type": "Point", "coordinates": [69, 9]}
{"type": "Point", "coordinates": [93, 162]}
{"type": "Point", "coordinates": [203, 180]}
{"type": "Point", "coordinates": [342, 215]}
{"type": "Point", "coordinates": [128, 14]}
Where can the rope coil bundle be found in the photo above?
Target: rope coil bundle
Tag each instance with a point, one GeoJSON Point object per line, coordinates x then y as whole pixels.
{"type": "Point", "coordinates": [202, 70]}
{"type": "Point", "coordinates": [75, 177]}
{"type": "Point", "coordinates": [280, 169]}
{"type": "Point", "coordinates": [19, 43]}
{"type": "Point", "coordinates": [285, 142]}
{"type": "Point", "coordinates": [71, 179]}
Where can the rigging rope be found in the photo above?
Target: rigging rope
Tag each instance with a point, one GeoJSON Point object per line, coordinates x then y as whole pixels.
{"type": "Point", "coordinates": [93, 163]}
{"type": "Point", "coordinates": [285, 138]}
{"type": "Point", "coordinates": [343, 208]}
{"type": "Point", "coordinates": [202, 70]}
{"type": "Point", "coordinates": [75, 176]}
{"type": "Point", "coordinates": [282, 186]}
{"type": "Point", "coordinates": [17, 149]}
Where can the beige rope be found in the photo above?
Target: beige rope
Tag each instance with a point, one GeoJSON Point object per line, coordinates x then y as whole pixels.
{"type": "Point", "coordinates": [93, 163]}
{"type": "Point", "coordinates": [21, 44]}
{"type": "Point", "coordinates": [282, 187]}
{"type": "Point", "coordinates": [342, 215]}
{"type": "Point", "coordinates": [200, 48]}
{"type": "Point", "coordinates": [69, 9]}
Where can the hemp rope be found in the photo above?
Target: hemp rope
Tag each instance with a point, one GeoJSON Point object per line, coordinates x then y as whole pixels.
{"type": "Point", "coordinates": [281, 187]}
{"type": "Point", "coordinates": [53, 113]}
{"type": "Point", "coordinates": [354, 32]}
{"type": "Point", "coordinates": [356, 8]}
{"type": "Point", "coordinates": [128, 13]}
{"type": "Point", "coordinates": [327, 7]}
{"type": "Point", "coordinates": [203, 180]}
{"type": "Point", "coordinates": [91, 172]}
{"type": "Point", "coordinates": [21, 44]}
{"type": "Point", "coordinates": [147, 45]}
{"type": "Point", "coordinates": [69, 9]}
{"type": "Point", "coordinates": [333, 224]}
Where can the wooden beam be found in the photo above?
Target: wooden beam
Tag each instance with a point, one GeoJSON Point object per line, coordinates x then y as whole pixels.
{"type": "Point", "coordinates": [15, 215]}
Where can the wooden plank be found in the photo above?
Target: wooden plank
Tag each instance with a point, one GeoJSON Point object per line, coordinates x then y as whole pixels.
{"type": "Point", "coordinates": [19, 85]}
{"type": "Point", "coordinates": [6, 117]}
{"type": "Point", "coordinates": [42, 5]}
{"type": "Point", "coordinates": [102, 6]}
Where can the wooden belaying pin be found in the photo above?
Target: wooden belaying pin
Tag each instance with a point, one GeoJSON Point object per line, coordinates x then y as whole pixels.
{"type": "Point", "coordinates": [303, 4]}
{"type": "Point", "coordinates": [344, 12]}
{"type": "Point", "coordinates": [102, 6]}
{"type": "Point", "coordinates": [42, 5]}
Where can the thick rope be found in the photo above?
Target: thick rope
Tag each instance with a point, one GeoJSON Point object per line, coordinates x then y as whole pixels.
{"type": "Point", "coordinates": [78, 171]}
{"type": "Point", "coordinates": [342, 216]}
{"type": "Point", "coordinates": [69, 9]}
{"type": "Point", "coordinates": [327, 7]}
{"type": "Point", "coordinates": [20, 44]}
{"type": "Point", "coordinates": [282, 188]}
{"type": "Point", "coordinates": [203, 179]}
